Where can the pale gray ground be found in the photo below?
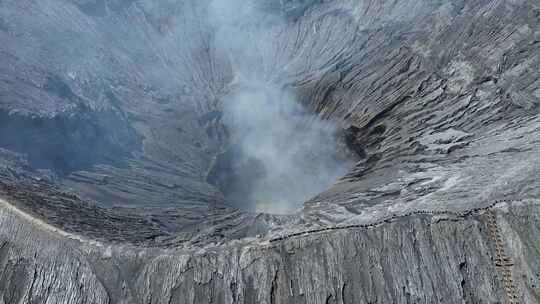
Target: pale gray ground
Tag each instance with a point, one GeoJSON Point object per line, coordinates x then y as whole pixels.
{"type": "Point", "coordinates": [110, 125]}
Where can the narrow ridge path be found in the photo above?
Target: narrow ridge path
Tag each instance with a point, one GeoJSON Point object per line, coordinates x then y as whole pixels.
{"type": "Point", "coordinates": [503, 262]}
{"type": "Point", "coordinates": [388, 219]}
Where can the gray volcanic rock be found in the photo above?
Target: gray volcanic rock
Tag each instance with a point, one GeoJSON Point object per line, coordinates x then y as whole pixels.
{"type": "Point", "coordinates": [112, 140]}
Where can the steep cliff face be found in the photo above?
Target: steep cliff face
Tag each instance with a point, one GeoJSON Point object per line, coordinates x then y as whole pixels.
{"type": "Point", "coordinates": [413, 259]}
{"type": "Point", "coordinates": [115, 152]}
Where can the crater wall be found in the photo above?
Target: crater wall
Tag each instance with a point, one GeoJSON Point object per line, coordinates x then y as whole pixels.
{"type": "Point", "coordinates": [437, 100]}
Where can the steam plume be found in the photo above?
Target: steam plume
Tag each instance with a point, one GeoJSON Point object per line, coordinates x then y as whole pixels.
{"type": "Point", "coordinates": [280, 154]}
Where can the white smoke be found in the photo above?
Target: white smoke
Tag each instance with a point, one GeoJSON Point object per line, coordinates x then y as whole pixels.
{"type": "Point", "coordinates": [288, 154]}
